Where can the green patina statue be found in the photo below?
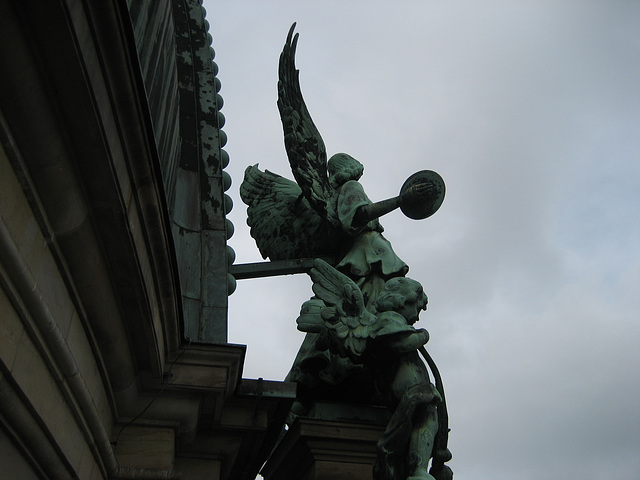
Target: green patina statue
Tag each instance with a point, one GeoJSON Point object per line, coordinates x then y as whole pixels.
{"type": "Point", "coordinates": [384, 340]}
{"type": "Point", "coordinates": [351, 323]}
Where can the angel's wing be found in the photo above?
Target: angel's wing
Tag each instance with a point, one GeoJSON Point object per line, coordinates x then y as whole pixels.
{"type": "Point", "coordinates": [347, 320]}
{"type": "Point", "coordinates": [282, 223]}
{"type": "Point", "coordinates": [304, 145]}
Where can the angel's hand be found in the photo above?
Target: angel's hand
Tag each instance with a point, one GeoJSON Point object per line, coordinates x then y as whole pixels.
{"type": "Point", "coordinates": [417, 193]}
{"type": "Point", "coordinates": [423, 336]}
{"type": "Point", "coordinates": [407, 341]}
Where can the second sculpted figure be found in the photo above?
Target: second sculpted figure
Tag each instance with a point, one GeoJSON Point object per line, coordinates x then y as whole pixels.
{"type": "Point", "coordinates": [385, 342]}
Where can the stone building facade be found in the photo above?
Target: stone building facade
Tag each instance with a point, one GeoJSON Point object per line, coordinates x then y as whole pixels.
{"type": "Point", "coordinates": [114, 263]}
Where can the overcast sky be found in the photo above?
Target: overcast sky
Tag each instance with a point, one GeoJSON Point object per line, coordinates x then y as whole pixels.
{"type": "Point", "coordinates": [530, 111]}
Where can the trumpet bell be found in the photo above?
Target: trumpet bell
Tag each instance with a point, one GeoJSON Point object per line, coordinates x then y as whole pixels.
{"type": "Point", "coordinates": [427, 205]}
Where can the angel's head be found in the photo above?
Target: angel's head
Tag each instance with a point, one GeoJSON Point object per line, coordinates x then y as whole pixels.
{"type": "Point", "coordinates": [342, 168]}
{"type": "Point", "coordinates": [404, 296]}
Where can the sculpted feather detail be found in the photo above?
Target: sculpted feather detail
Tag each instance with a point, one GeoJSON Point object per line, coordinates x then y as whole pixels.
{"type": "Point", "coordinates": [288, 219]}
{"type": "Point", "coordinates": [305, 147]}
{"type": "Point", "coordinates": [339, 310]}
{"type": "Point", "coordinates": [282, 222]}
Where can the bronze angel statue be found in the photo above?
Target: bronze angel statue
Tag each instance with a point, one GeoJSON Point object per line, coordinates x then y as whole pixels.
{"type": "Point", "coordinates": [387, 343]}
{"type": "Point", "coordinates": [325, 212]}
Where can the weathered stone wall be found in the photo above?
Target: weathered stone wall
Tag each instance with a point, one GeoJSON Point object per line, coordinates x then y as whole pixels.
{"type": "Point", "coordinates": [177, 65]}
{"type": "Point", "coordinates": [45, 354]}
{"type": "Point", "coordinates": [153, 27]}
{"type": "Point", "coordinates": [87, 305]}
{"type": "Point", "coordinates": [96, 378]}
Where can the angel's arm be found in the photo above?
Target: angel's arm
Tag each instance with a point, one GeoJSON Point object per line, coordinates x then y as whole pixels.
{"type": "Point", "coordinates": [366, 213]}
{"type": "Point", "coordinates": [395, 336]}
{"type": "Point", "coordinates": [406, 341]}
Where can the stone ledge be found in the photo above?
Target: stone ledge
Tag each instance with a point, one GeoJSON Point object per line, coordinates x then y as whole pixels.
{"type": "Point", "coordinates": [338, 442]}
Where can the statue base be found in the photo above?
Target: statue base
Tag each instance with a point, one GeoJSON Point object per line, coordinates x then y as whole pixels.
{"type": "Point", "coordinates": [334, 442]}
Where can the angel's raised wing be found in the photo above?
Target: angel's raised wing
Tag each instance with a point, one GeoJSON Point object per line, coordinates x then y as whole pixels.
{"type": "Point", "coordinates": [343, 312]}
{"type": "Point", "coordinates": [304, 145]}
{"type": "Point", "coordinates": [282, 223]}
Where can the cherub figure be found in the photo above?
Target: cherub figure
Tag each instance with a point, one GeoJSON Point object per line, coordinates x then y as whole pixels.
{"type": "Point", "coordinates": [387, 344]}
